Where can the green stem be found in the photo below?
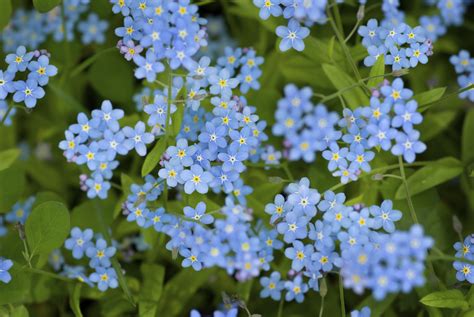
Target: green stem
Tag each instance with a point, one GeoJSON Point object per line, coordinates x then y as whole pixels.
{"type": "Point", "coordinates": [10, 107]}
{"type": "Point", "coordinates": [341, 297]}
{"type": "Point", "coordinates": [321, 310]}
{"type": "Point", "coordinates": [26, 253]}
{"type": "Point", "coordinates": [449, 258]}
{"type": "Point", "coordinates": [287, 171]}
{"type": "Point", "coordinates": [407, 191]}
{"type": "Point", "coordinates": [81, 67]}
{"type": "Point", "coordinates": [280, 307]}
{"type": "Point", "coordinates": [428, 105]}
{"type": "Point", "coordinates": [48, 274]}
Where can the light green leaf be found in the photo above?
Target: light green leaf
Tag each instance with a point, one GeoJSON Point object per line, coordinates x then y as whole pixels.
{"type": "Point", "coordinates": [445, 299]}
{"type": "Point", "coordinates": [151, 290]}
{"type": "Point", "coordinates": [12, 184]}
{"type": "Point", "coordinates": [430, 176]}
{"type": "Point", "coordinates": [7, 158]}
{"type": "Point", "coordinates": [75, 299]}
{"type": "Point", "coordinates": [377, 71]}
{"type": "Point", "coordinates": [20, 311]}
{"type": "Point", "coordinates": [353, 95]}
{"type": "Point", "coordinates": [154, 157]}
{"type": "Point", "coordinates": [44, 6]}
{"type": "Point", "coordinates": [43, 197]}
{"type": "Point", "coordinates": [427, 97]}
{"type": "Point", "coordinates": [18, 289]}
{"type": "Point", "coordinates": [47, 227]}
{"type": "Point", "coordinates": [5, 13]}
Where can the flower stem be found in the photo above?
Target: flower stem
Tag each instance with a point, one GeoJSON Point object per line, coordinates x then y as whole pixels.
{"type": "Point", "coordinates": [5, 116]}
{"type": "Point", "coordinates": [280, 307]}
{"type": "Point", "coordinates": [341, 297]}
{"type": "Point", "coordinates": [321, 310]}
{"type": "Point", "coordinates": [405, 184]}
{"type": "Point", "coordinates": [81, 67]}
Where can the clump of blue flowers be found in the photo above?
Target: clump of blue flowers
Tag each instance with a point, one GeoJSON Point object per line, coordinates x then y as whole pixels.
{"type": "Point", "coordinates": [402, 46]}
{"type": "Point", "coordinates": [31, 28]}
{"type": "Point", "coordinates": [154, 31]}
{"type": "Point", "coordinates": [96, 142]}
{"type": "Point", "coordinates": [464, 250]}
{"type": "Point", "coordinates": [347, 143]}
{"type": "Point", "coordinates": [464, 67]}
{"type": "Point", "coordinates": [27, 91]}
{"type": "Point", "coordinates": [81, 243]}
{"type": "Point", "coordinates": [323, 235]}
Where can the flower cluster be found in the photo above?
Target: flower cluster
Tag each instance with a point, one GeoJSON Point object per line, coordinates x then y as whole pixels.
{"type": "Point", "coordinates": [18, 214]}
{"type": "Point", "coordinates": [364, 312]}
{"type": "Point", "coordinates": [233, 312]}
{"type": "Point", "coordinates": [345, 238]}
{"type": "Point", "coordinates": [451, 12]}
{"type": "Point", "coordinates": [465, 250]}
{"type": "Point", "coordinates": [96, 142]}
{"type": "Point", "coordinates": [31, 28]}
{"type": "Point", "coordinates": [99, 254]}
{"type": "Point", "coordinates": [165, 29]}
{"type": "Point", "coordinates": [464, 67]}
{"type": "Point", "coordinates": [387, 123]}
{"type": "Point", "coordinates": [29, 90]}
{"type": "Point", "coordinates": [5, 266]}
{"type": "Point", "coordinates": [402, 46]}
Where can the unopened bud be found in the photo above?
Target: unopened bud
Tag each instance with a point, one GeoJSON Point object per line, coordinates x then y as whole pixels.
{"type": "Point", "coordinates": [275, 180]}
{"type": "Point", "coordinates": [361, 13]}
{"type": "Point", "coordinates": [457, 225]}
{"type": "Point", "coordinates": [401, 72]}
{"type": "Point", "coordinates": [323, 288]}
{"type": "Point", "coordinates": [377, 177]}
{"type": "Point", "coordinates": [21, 230]}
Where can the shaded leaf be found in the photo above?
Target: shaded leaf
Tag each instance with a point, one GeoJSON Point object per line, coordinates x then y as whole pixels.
{"type": "Point", "coordinates": [377, 71]}
{"type": "Point", "coordinates": [5, 13]}
{"type": "Point", "coordinates": [44, 6]}
{"type": "Point", "coordinates": [7, 158]}
{"type": "Point", "coordinates": [445, 299]}
{"type": "Point", "coordinates": [154, 157]}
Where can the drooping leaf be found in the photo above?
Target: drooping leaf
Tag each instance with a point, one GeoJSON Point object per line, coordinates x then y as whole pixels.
{"type": "Point", "coordinates": [44, 6]}
{"type": "Point", "coordinates": [446, 299]}
{"type": "Point", "coordinates": [353, 94]}
{"type": "Point", "coordinates": [153, 158]}
{"type": "Point", "coordinates": [47, 227]}
{"type": "Point", "coordinates": [430, 176]}
{"type": "Point", "coordinates": [376, 72]}
{"type": "Point", "coordinates": [7, 158]}
{"type": "Point", "coordinates": [424, 99]}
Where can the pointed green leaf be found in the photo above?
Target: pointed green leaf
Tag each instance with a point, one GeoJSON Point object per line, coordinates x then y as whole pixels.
{"type": "Point", "coordinates": [154, 157]}
{"type": "Point", "coordinates": [352, 94]}
{"type": "Point", "coordinates": [376, 72]}
{"type": "Point", "coordinates": [47, 227]}
{"type": "Point", "coordinates": [430, 176]}
{"type": "Point", "coordinates": [177, 117]}
{"type": "Point", "coordinates": [7, 158]}
{"type": "Point", "coordinates": [446, 299]}
{"type": "Point", "coordinates": [44, 6]}
{"type": "Point", "coordinates": [424, 99]}
{"type": "Point", "coordinates": [75, 299]}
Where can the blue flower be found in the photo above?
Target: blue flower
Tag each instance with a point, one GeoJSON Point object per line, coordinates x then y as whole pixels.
{"type": "Point", "coordinates": [19, 60]}
{"type": "Point", "coordinates": [181, 153]}
{"type": "Point", "coordinates": [5, 266]}
{"type": "Point", "coordinates": [232, 160]}
{"type": "Point", "coordinates": [90, 155]}
{"type": "Point", "coordinates": [268, 7]}
{"type": "Point", "coordinates": [336, 156]}
{"type": "Point", "coordinates": [272, 286]}
{"type": "Point", "coordinates": [408, 145]}
{"type": "Point", "coordinates": [359, 158]}
{"type": "Point", "coordinates": [28, 92]}
{"type": "Point", "coordinates": [192, 258]}
{"type": "Point", "coordinates": [396, 91]}
{"type": "Point", "coordinates": [293, 227]}
{"type": "Point", "coordinates": [108, 116]}
{"type": "Point", "coordinates": [93, 29]}
{"type": "Point", "coordinates": [222, 83]}
{"type": "Point", "coordinates": [85, 128]}
{"type": "Point", "coordinates": [171, 173]}
{"type": "Point", "coordinates": [292, 36]}
{"type": "Point", "coordinates": [370, 33]}
{"type": "Point", "coordinates": [462, 62]}
{"type": "Point", "coordinates": [296, 289]}
{"type": "Point", "coordinates": [137, 138]}
{"type": "Point", "coordinates": [97, 187]}
{"type": "Point", "coordinates": [406, 115]}
{"type": "Point", "coordinates": [364, 312]}
{"type": "Point", "coordinates": [196, 179]}
{"type": "Point", "coordinates": [417, 53]}
{"type": "Point", "coordinates": [148, 67]}
{"type": "Point", "coordinates": [41, 70]}
{"type": "Point", "coordinates": [105, 278]}
{"type": "Point", "coordinates": [139, 214]}
{"type": "Point", "coordinates": [374, 53]}
{"type": "Point", "coordinates": [324, 260]}
{"type": "Point", "coordinates": [100, 254]}
{"type": "Point", "coordinates": [397, 58]}
{"type": "Point", "coordinates": [214, 137]}
{"type": "Point", "coordinates": [198, 213]}
{"type": "Point", "coordinates": [113, 143]}
{"type": "Point", "coordinates": [381, 134]}
{"type": "Point", "coordinates": [79, 242]}
{"type": "Point", "coordinates": [6, 83]}
{"type": "Point", "coordinates": [300, 254]}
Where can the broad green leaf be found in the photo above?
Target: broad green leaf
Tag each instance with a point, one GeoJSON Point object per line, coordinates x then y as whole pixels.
{"type": "Point", "coordinates": [47, 175]}
{"type": "Point", "coordinates": [43, 197]}
{"type": "Point", "coordinates": [18, 289]}
{"type": "Point", "coordinates": [7, 158]}
{"type": "Point", "coordinates": [47, 227]}
{"type": "Point", "coordinates": [84, 215]}
{"type": "Point", "coordinates": [151, 290]}
{"type": "Point", "coordinates": [469, 313]}
{"type": "Point", "coordinates": [45, 5]}
{"type": "Point", "coordinates": [20, 311]}
{"type": "Point", "coordinates": [5, 12]}
{"type": "Point", "coordinates": [153, 158]}
{"type": "Point", "coordinates": [427, 97]}
{"type": "Point", "coordinates": [377, 71]}
{"type": "Point", "coordinates": [353, 94]}
{"type": "Point", "coordinates": [75, 299]}
{"type": "Point", "coordinates": [12, 185]}
{"type": "Point", "coordinates": [430, 176]}
{"type": "Point", "coordinates": [435, 122]}
{"type": "Point", "coordinates": [180, 289]}
{"type": "Point", "coordinates": [112, 77]}
{"type": "Point", "coordinates": [445, 299]}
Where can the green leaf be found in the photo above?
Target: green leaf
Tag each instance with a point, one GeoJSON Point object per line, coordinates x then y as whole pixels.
{"type": "Point", "coordinates": [430, 176]}
{"type": "Point", "coordinates": [75, 299]}
{"type": "Point", "coordinates": [177, 117]}
{"type": "Point", "coordinates": [180, 289]}
{"type": "Point", "coordinates": [445, 299]}
{"type": "Point", "coordinates": [20, 311]}
{"type": "Point", "coordinates": [427, 97]}
{"type": "Point", "coordinates": [47, 227]}
{"type": "Point", "coordinates": [7, 158]}
{"type": "Point", "coordinates": [435, 122]}
{"type": "Point", "coordinates": [377, 71]}
{"type": "Point", "coordinates": [12, 184]}
{"type": "Point", "coordinates": [43, 197]}
{"type": "Point", "coordinates": [112, 77]}
{"type": "Point", "coordinates": [44, 6]}
{"type": "Point", "coordinates": [154, 157]}
{"type": "Point", "coordinates": [151, 290]}
{"type": "Point", "coordinates": [18, 289]}
{"type": "Point", "coordinates": [353, 95]}
{"type": "Point", "coordinates": [467, 135]}
{"type": "Point", "coordinates": [5, 13]}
